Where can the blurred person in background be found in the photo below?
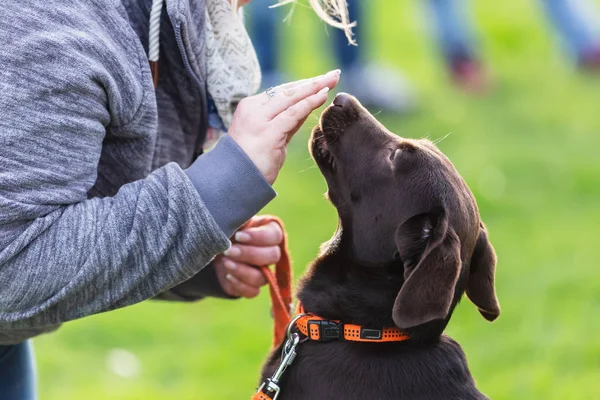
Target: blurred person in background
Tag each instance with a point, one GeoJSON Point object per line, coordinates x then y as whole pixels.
{"type": "Point", "coordinates": [575, 22]}
{"type": "Point", "coordinates": [377, 86]}
{"type": "Point", "coordinates": [374, 85]}
{"type": "Point", "coordinates": [108, 193]}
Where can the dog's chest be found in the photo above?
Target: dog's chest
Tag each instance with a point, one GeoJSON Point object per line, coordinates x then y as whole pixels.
{"type": "Point", "coordinates": [353, 371]}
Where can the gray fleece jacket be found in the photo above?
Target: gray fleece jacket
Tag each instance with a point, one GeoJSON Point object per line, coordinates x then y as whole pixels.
{"type": "Point", "coordinates": [101, 202]}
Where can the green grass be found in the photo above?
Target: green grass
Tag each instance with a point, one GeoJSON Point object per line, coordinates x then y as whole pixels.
{"type": "Point", "coordinates": [529, 153]}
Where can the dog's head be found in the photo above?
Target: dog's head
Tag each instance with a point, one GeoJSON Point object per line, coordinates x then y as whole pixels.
{"type": "Point", "coordinates": [402, 200]}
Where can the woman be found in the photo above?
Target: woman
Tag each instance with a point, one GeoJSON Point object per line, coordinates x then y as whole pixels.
{"type": "Point", "coordinates": [106, 197]}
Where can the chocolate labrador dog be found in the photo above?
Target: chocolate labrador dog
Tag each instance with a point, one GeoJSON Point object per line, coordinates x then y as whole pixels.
{"type": "Point", "coordinates": [409, 243]}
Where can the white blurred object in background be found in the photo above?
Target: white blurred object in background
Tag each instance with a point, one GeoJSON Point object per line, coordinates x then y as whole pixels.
{"type": "Point", "coordinates": [123, 363]}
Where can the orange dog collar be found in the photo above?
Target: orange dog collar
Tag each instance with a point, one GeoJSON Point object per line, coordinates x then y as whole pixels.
{"type": "Point", "coordinates": [323, 330]}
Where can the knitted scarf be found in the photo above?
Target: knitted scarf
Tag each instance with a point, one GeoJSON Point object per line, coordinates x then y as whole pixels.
{"type": "Point", "coordinates": [233, 71]}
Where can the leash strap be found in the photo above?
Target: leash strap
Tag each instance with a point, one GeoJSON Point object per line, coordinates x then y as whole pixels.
{"type": "Point", "coordinates": [280, 282]}
{"type": "Point", "coordinates": [261, 396]}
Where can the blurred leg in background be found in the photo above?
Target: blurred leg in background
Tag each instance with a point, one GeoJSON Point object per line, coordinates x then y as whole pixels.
{"type": "Point", "coordinates": [263, 24]}
{"type": "Point", "coordinates": [374, 85]}
{"type": "Point", "coordinates": [576, 22]}
{"type": "Point", "coordinates": [17, 372]}
{"type": "Point", "coordinates": [455, 35]}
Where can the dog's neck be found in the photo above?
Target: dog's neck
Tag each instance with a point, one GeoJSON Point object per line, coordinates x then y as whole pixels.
{"type": "Point", "coordinates": [337, 286]}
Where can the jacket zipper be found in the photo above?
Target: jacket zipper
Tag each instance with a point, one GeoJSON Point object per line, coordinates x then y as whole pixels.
{"type": "Point", "coordinates": [201, 87]}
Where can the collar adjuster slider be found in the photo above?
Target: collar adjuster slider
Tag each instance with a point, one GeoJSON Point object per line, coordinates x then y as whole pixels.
{"type": "Point", "coordinates": [372, 334]}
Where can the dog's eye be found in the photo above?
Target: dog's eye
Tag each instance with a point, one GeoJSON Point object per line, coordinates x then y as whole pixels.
{"type": "Point", "coordinates": [393, 153]}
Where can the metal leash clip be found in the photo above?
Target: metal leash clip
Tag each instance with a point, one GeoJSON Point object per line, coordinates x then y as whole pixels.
{"type": "Point", "coordinates": [288, 355]}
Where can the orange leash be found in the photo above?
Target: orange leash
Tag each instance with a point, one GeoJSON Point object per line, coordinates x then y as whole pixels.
{"type": "Point", "coordinates": [280, 282]}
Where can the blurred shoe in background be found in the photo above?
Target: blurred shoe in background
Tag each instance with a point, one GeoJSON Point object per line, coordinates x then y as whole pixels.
{"type": "Point", "coordinates": [379, 88]}
{"type": "Point", "coordinates": [590, 61]}
{"type": "Point", "coordinates": [469, 75]}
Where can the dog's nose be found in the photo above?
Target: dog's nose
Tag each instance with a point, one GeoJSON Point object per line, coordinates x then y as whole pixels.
{"type": "Point", "coordinates": [342, 99]}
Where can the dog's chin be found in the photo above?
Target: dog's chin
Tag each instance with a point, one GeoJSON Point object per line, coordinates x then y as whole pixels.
{"type": "Point", "coordinates": [321, 152]}
{"type": "Point", "coordinates": [332, 123]}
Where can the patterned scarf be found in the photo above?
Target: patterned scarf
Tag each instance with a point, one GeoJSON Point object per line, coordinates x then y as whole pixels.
{"type": "Point", "coordinates": [233, 71]}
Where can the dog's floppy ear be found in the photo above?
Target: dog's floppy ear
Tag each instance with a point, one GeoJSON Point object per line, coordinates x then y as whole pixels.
{"type": "Point", "coordinates": [430, 250]}
{"type": "Point", "coordinates": [480, 288]}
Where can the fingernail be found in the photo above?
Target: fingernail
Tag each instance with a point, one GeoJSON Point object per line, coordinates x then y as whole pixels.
{"type": "Point", "coordinates": [229, 277]}
{"type": "Point", "coordinates": [335, 72]}
{"type": "Point", "coordinates": [233, 251]}
{"type": "Point", "coordinates": [242, 237]}
{"type": "Point", "coordinates": [324, 90]}
{"type": "Point", "coordinates": [230, 264]}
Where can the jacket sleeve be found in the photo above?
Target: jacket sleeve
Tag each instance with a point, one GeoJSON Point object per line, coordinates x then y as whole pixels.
{"type": "Point", "coordinates": [62, 255]}
{"type": "Point", "coordinates": [204, 284]}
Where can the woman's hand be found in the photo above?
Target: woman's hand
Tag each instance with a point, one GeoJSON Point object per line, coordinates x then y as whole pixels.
{"type": "Point", "coordinates": [263, 126]}
{"type": "Point", "coordinates": [251, 246]}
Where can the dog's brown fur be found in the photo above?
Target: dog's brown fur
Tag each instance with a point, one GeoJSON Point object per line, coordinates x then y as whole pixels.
{"type": "Point", "coordinates": [409, 243]}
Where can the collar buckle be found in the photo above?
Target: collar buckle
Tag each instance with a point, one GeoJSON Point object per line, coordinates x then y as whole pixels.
{"type": "Point", "coordinates": [325, 331]}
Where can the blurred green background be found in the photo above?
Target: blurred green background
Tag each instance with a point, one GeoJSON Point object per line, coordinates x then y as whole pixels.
{"type": "Point", "coordinates": [529, 151]}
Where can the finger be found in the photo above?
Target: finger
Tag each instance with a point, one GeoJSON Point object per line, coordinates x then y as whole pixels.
{"type": "Point", "coordinates": [245, 273]}
{"type": "Point", "coordinates": [291, 85]}
{"type": "Point", "coordinates": [239, 288]}
{"type": "Point", "coordinates": [290, 120]}
{"type": "Point", "coordinates": [256, 220]}
{"type": "Point", "coordinates": [266, 235]}
{"type": "Point", "coordinates": [253, 255]}
{"type": "Point", "coordinates": [286, 98]}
